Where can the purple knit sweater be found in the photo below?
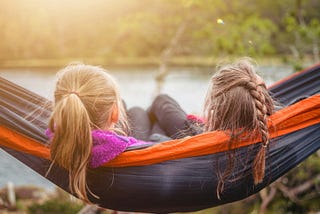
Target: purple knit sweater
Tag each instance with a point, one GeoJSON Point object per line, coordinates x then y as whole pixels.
{"type": "Point", "coordinates": [107, 145]}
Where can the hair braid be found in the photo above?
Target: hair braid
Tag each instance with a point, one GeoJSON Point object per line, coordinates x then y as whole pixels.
{"type": "Point", "coordinates": [262, 126]}
{"type": "Point", "coordinates": [238, 102]}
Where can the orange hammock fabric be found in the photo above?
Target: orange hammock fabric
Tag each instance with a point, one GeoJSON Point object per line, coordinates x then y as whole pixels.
{"type": "Point", "coordinates": [287, 120]}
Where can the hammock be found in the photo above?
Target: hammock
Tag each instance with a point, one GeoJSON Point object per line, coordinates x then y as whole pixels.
{"type": "Point", "coordinates": [178, 175]}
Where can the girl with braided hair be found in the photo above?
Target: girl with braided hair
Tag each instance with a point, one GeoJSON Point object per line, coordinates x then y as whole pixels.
{"type": "Point", "coordinates": [237, 102]}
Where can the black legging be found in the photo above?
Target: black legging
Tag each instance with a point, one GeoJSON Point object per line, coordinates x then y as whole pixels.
{"type": "Point", "coordinates": [164, 117]}
{"type": "Point", "coordinates": [140, 124]}
{"type": "Point", "coordinates": [169, 116]}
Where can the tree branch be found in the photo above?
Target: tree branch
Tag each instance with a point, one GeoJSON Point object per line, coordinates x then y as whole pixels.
{"type": "Point", "coordinates": [292, 193]}
{"type": "Point", "coordinates": [267, 198]}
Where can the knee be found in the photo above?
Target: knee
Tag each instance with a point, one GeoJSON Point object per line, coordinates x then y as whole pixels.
{"type": "Point", "coordinates": [136, 110]}
{"type": "Point", "coordinates": [161, 98]}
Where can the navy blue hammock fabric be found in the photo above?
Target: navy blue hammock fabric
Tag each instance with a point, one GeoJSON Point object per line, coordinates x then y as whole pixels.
{"type": "Point", "coordinates": [177, 185]}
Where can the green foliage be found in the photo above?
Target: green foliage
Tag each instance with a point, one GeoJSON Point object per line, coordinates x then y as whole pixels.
{"type": "Point", "coordinates": [142, 28]}
{"type": "Point", "coordinates": [251, 37]}
{"type": "Point", "coordinates": [54, 206]}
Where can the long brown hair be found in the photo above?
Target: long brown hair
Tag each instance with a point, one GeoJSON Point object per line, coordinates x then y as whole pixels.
{"type": "Point", "coordinates": [84, 99]}
{"type": "Point", "coordinates": [238, 102]}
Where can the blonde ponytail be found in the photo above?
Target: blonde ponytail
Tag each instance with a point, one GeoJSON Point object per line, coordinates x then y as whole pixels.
{"type": "Point", "coordinates": [72, 141]}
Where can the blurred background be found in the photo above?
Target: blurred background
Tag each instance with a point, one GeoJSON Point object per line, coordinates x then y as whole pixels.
{"type": "Point", "coordinates": [126, 32]}
{"type": "Point", "coordinates": [167, 46]}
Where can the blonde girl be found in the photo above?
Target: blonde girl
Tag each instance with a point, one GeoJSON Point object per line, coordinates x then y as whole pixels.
{"type": "Point", "coordinates": [87, 118]}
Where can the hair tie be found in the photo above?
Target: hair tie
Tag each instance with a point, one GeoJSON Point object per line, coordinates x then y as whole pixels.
{"type": "Point", "coordinates": [265, 144]}
{"type": "Point", "coordinates": [74, 92]}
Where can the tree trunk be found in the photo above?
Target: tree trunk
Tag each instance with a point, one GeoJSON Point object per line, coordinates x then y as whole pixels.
{"type": "Point", "coordinates": [166, 56]}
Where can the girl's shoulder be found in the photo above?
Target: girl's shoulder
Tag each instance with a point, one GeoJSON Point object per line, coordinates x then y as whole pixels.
{"type": "Point", "coordinates": [107, 145]}
{"type": "Point", "coordinates": [104, 136]}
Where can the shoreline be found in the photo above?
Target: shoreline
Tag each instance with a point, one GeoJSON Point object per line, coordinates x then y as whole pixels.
{"type": "Point", "coordinates": [138, 62]}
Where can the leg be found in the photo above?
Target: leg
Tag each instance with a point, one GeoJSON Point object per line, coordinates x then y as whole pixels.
{"type": "Point", "coordinates": [156, 129]}
{"type": "Point", "coordinates": [140, 123]}
{"type": "Point", "coordinates": [169, 115]}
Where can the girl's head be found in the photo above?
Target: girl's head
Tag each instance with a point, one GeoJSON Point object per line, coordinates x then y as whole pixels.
{"type": "Point", "coordinates": [238, 101]}
{"type": "Point", "coordinates": [85, 98]}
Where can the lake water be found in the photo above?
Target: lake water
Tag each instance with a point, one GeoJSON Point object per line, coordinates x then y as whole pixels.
{"type": "Point", "coordinates": [186, 85]}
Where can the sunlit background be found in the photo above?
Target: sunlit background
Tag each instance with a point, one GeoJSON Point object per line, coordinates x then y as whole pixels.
{"type": "Point", "coordinates": [136, 39]}
{"type": "Point", "coordinates": [107, 31]}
